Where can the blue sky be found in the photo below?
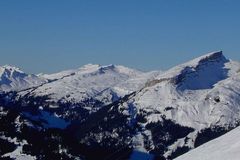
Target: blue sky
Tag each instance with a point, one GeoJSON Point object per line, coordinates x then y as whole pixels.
{"type": "Point", "coordinates": [53, 35]}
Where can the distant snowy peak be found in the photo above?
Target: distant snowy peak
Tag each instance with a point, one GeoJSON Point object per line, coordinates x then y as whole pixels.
{"type": "Point", "coordinates": [11, 71]}
{"type": "Point", "coordinates": [98, 69]}
{"type": "Point", "coordinates": [14, 79]}
{"type": "Point", "coordinates": [93, 69]}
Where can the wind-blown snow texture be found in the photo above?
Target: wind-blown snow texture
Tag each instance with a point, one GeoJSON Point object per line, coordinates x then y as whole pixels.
{"type": "Point", "coordinates": [161, 113]}
{"type": "Point", "coordinates": [223, 148]}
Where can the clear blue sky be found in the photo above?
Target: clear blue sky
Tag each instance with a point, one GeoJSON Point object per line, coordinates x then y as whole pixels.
{"type": "Point", "coordinates": [53, 35]}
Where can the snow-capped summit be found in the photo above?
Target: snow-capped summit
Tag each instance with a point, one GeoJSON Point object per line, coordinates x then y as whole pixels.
{"type": "Point", "coordinates": [206, 69]}
{"type": "Point", "coordinates": [96, 68]}
{"type": "Point", "coordinates": [92, 69]}
{"type": "Point", "coordinates": [209, 57]}
{"type": "Point", "coordinates": [13, 79]}
{"type": "Point", "coordinates": [89, 66]}
{"type": "Point", "coordinates": [11, 71]}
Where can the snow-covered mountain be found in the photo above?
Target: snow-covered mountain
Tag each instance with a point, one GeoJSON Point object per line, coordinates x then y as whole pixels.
{"type": "Point", "coordinates": [222, 148]}
{"type": "Point", "coordinates": [101, 83]}
{"type": "Point", "coordinates": [200, 94]}
{"type": "Point", "coordinates": [13, 79]}
{"type": "Point", "coordinates": [117, 110]}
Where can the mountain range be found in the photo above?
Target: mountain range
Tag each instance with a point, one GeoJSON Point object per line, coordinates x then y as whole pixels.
{"type": "Point", "coordinates": [115, 112]}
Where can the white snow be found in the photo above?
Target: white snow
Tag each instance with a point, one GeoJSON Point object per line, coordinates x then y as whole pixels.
{"type": "Point", "coordinates": [18, 152]}
{"type": "Point", "coordinates": [226, 147]}
{"type": "Point", "coordinates": [138, 142]}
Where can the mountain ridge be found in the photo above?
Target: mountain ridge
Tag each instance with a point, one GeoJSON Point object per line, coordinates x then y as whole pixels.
{"type": "Point", "coordinates": [162, 113]}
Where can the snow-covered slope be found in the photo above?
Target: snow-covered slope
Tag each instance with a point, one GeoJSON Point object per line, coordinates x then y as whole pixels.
{"type": "Point", "coordinates": [226, 147]}
{"type": "Point", "coordinates": [13, 79]}
{"type": "Point", "coordinates": [104, 83]}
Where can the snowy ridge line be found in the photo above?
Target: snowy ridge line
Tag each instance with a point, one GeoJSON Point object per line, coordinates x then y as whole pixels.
{"type": "Point", "coordinates": [48, 81]}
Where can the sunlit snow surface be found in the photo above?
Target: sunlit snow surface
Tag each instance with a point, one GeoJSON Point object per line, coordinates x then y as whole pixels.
{"type": "Point", "coordinates": [226, 147]}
